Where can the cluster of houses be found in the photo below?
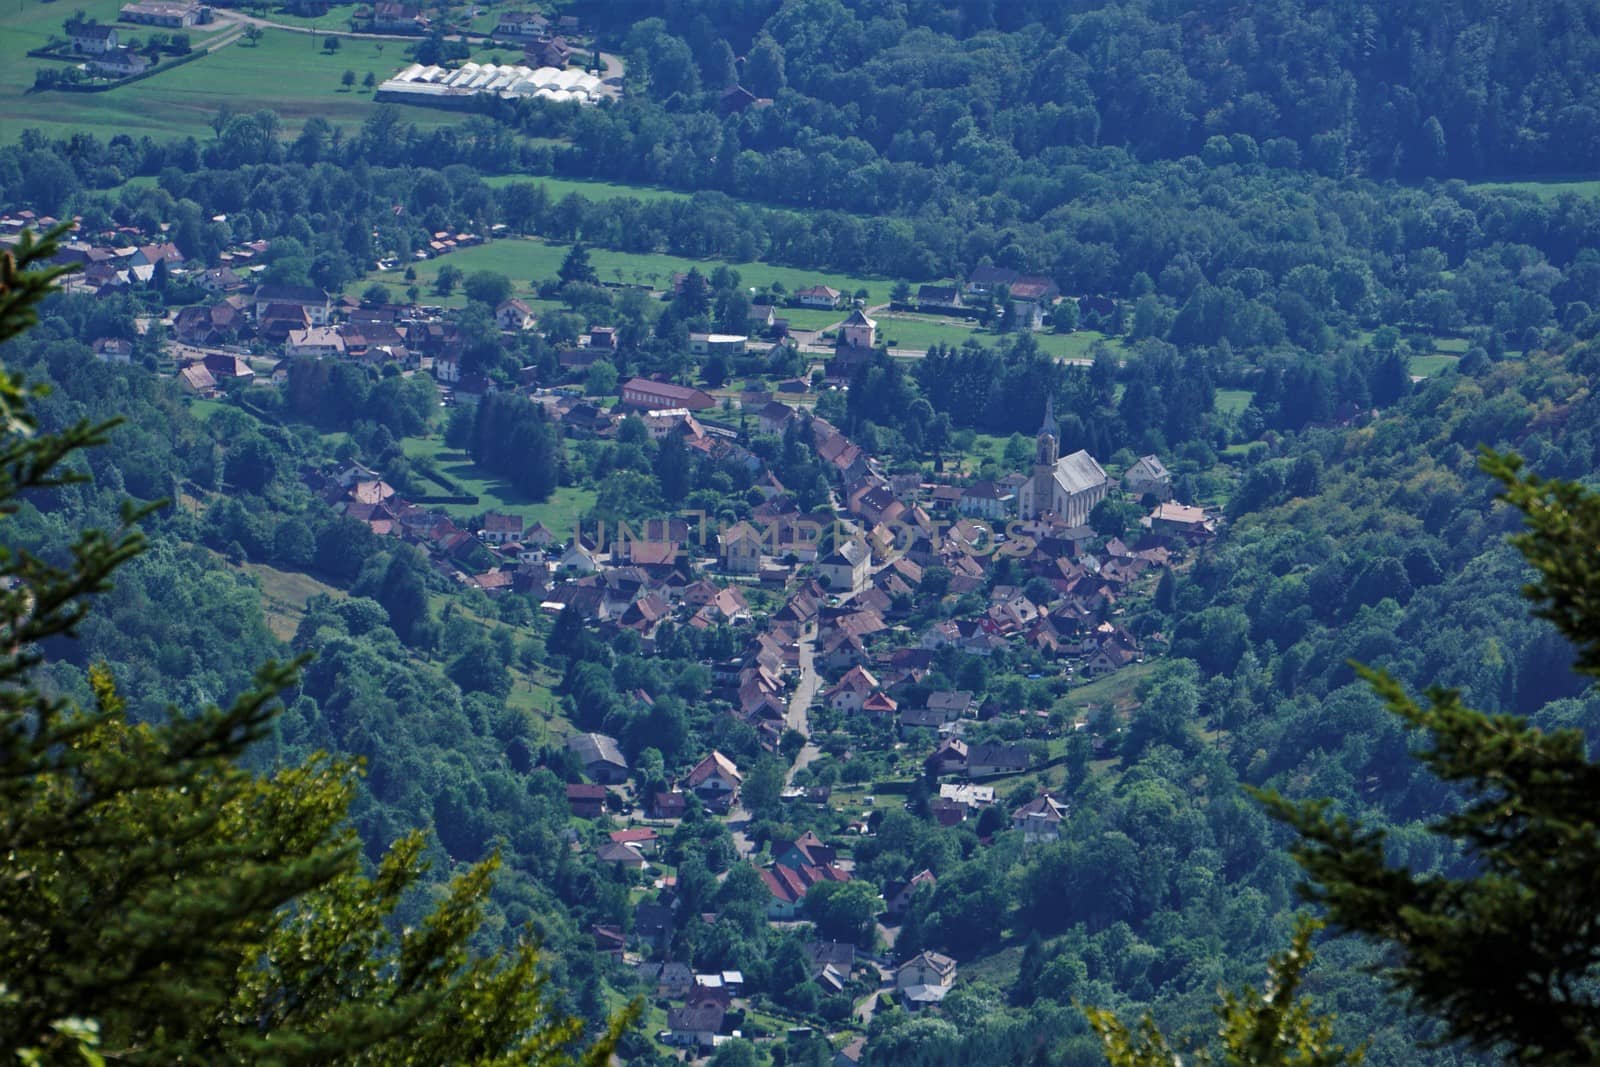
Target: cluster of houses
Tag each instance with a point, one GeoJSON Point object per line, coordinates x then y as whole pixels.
{"type": "Point", "coordinates": [545, 41]}
{"type": "Point", "coordinates": [1031, 297]}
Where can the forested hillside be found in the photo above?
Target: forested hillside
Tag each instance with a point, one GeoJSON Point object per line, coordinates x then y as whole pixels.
{"type": "Point", "coordinates": [1393, 91]}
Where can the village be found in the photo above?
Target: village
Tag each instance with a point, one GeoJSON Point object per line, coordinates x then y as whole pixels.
{"type": "Point", "coordinates": [842, 610]}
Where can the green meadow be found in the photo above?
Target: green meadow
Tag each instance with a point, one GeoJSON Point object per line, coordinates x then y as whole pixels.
{"type": "Point", "coordinates": [1548, 189]}
{"type": "Point", "coordinates": [286, 72]}
{"type": "Point", "coordinates": [560, 513]}
{"type": "Point", "coordinates": [556, 188]}
{"type": "Point", "coordinates": [526, 260]}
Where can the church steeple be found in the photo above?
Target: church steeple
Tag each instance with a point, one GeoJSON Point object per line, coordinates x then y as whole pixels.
{"type": "Point", "coordinates": [1047, 446]}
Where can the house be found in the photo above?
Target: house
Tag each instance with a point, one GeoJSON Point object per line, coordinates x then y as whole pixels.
{"type": "Point", "coordinates": [925, 979]}
{"type": "Point", "coordinates": [603, 338]}
{"type": "Point", "coordinates": [674, 981]}
{"type": "Point", "coordinates": [389, 16]}
{"type": "Point", "coordinates": [316, 342]}
{"type": "Point", "coordinates": [776, 417]}
{"type": "Point", "coordinates": [224, 365]}
{"type": "Point", "coordinates": [92, 38]}
{"type": "Point", "coordinates": [953, 704]}
{"type": "Point", "coordinates": [1181, 519]}
{"type": "Point", "coordinates": [996, 757]}
{"type": "Point", "coordinates": [123, 63]}
{"type": "Point", "coordinates": [858, 331]}
{"type": "Point", "coordinates": [113, 350]}
{"type": "Point", "coordinates": [219, 280]}
{"type": "Point", "coordinates": [741, 549]}
{"type": "Point", "coordinates": [586, 801]}
{"type": "Point", "coordinates": [717, 344]}
{"type": "Point", "coordinates": [498, 529]}
{"type": "Point", "coordinates": [197, 381]}
{"type": "Point", "coordinates": [736, 98]}
{"type": "Point", "coordinates": [839, 955]}
{"type": "Point", "coordinates": [788, 886]}
{"type": "Point", "coordinates": [986, 280]}
{"type": "Point", "coordinates": [1068, 487]}
{"type": "Point", "coordinates": [1148, 476]}
{"type": "Point", "coordinates": [652, 924]}
{"type": "Point", "coordinates": [173, 15]}
{"type": "Point", "coordinates": [879, 704]}
{"type": "Point", "coordinates": [807, 850]}
{"type": "Point", "coordinates": [601, 758]}
{"type": "Point", "coordinates": [667, 805]}
{"type": "Point", "coordinates": [548, 51]}
{"type": "Point", "coordinates": [818, 296]}
{"type": "Point", "coordinates": [949, 758]}
{"type": "Point", "coordinates": [217, 324]}
{"type": "Point", "coordinates": [846, 568]}
{"type": "Point", "coordinates": [619, 855]}
{"type": "Point", "coordinates": [900, 899]}
{"type": "Point", "coordinates": [763, 317]}
{"type": "Point", "coordinates": [514, 315]}
{"type": "Point", "coordinates": [149, 255]}
{"type": "Point", "coordinates": [609, 941]}
{"type": "Point", "coordinates": [939, 296]}
{"type": "Point", "coordinates": [716, 780]}
{"type": "Point", "coordinates": [850, 693]}
{"type": "Point", "coordinates": [521, 27]}
{"type": "Point", "coordinates": [652, 395]}
{"type": "Point", "coordinates": [970, 798]}
{"type": "Point", "coordinates": [695, 1027]}
{"type": "Point", "coordinates": [577, 560]}
{"type": "Point", "coordinates": [316, 304]}
{"type": "Point", "coordinates": [1040, 819]}
{"type": "Point", "coordinates": [986, 500]}
{"type": "Point", "coordinates": [1031, 296]}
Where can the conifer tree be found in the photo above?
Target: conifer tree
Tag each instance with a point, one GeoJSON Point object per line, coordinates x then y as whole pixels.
{"type": "Point", "coordinates": [1508, 957]}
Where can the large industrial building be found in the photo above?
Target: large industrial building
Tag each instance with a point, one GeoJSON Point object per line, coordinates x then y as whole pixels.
{"type": "Point", "coordinates": [421, 84]}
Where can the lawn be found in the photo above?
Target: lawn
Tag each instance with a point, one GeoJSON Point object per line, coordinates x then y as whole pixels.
{"type": "Point", "coordinates": [921, 332]}
{"type": "Point", "coordinates": [1434, 365]}
{"type": "Point", "coordinates": [556, 188]}
{"type": "Point", "coordinates": [284, 595]}
{"type": "Point", "coordinates": [1117, 688]}
{"type": "Point", "coordinates": [1547, 189]}
{"type": "Point", "coordinates": [1233, 401]}
{"type": "Point", "coordinates": [560, 513]}
{"type": "Point", "coordinates": [525, 259]}
{"type": "Point", "coordinates": [813, 318]}
{"type": "Point", "coordinates": [285, 72]}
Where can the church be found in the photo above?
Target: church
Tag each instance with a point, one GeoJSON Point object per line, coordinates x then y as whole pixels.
{"type": "Point", "coordinates": [1067, 486]}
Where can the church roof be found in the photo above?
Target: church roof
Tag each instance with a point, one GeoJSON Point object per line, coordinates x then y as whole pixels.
{"type": "Point", "coordinates": [1078, 472]}
{"type": "Point", "coordinates": [859, 318]}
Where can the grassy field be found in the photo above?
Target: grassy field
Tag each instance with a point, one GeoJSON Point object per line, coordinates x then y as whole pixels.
{"type": "Point", "coordinates": [1116, 689]}
{"type": "Point", "coordinates": [1430, 366]}
{"type": "Point", "coordinates": [560, 513]}
{"type": "Point", "coordinates": [1233, 401]}
{"type": "Point", "coordinates": [286, 72]}
{"type": "Point", "coordinates": [525, 259]}
{"type": "Point", "coordinates": [1547, 189]}
{"type": "Point", "coordinates": [813, 318]}
{"type": "Point", "coordinates": [556, 188]}
{"type": "Point", "coordinates": [284, 595]}
{"type": "Point", "coordinates": [920, 332]}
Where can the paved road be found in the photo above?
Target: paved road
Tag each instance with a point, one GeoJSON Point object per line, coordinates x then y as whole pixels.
{"type": "Point", "coordinates": [865, 1010]}
{"type": "Point", "coordinates": [242, 19]}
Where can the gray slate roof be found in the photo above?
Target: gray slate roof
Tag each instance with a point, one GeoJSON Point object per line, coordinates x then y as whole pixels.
{"type": "Point", "coordinates": [1078, 472]}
